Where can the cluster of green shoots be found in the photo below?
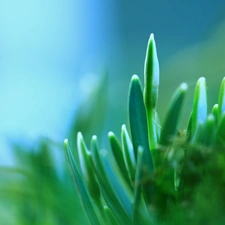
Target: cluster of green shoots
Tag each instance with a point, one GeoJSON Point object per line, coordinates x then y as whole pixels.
{"type": "Point", "coordinates": [151, 170]}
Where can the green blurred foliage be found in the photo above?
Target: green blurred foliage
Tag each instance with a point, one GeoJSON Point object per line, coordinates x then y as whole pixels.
{"type": "Point", "coordinates": [39, 190]}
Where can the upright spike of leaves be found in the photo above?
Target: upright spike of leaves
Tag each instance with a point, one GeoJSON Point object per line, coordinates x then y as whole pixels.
{"type": "Point", "coordinates": [151, 86]}
{"type": "Point", "coordinates": [173, 114]}
{"type": "Point", "coordinates": [80, 186]}
{"type": "Point", "coordinates": [199, 111]}
{"type": "Point", "coordinates": [221, 101]}
{"type": "Point", "coordinates": [118, 154]}
{"type": "Point", "coordinates": [87, 169]}
{"type": "Point", "coordinates": [128, 153]}
{"type": "Point", "coordinates": [156, 192]}
{"type": "Point", "coordinates": [138, 122]}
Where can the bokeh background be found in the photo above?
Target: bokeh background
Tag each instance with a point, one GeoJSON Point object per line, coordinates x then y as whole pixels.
{"type": "Point", "coordinates": [54, 55]}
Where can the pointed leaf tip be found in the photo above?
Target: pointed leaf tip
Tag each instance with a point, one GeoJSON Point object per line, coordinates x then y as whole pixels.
{"type": "Point", "coordinates": [110, 134]}
{"type": "Point", "coordinates": [173, 114]}
{"type": "Point", "coordinates": [94, 137]}
{"type": "Point", "coordinates": [135, 78]}
{"type": "Point", "coordinates": [201, 79]}
{"type": "Point", "coordinates": [184, 86]}
{"type": "Point", "coordinates": [199, 110]}
{"type": "Point", "coordinates": [79, 135]}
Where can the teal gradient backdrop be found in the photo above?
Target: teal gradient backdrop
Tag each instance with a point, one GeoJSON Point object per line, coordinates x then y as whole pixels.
{"type": "Point", "coordinates": [49, 49]}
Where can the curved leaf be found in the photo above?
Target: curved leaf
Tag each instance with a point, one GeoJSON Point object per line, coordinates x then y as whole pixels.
{"type": "Point", "coordinates": [110, 187]}
{"type": "Point", "coordinates": [221, 101]}
{"type": "Point", "coordinates": [151, 86]}
{"type": "Point", "coordinates": [80, 186]}
{"type": "Point", "coordinates": [87, 169]}
{"type": "Point", "coordinates": [118, 154]}
{"type": "Point", "coordinates": [138, 122]}
{"type": "Point", "coordinates": [111, 217]}
{"type": "Point", "coordinates": [199, 111]}
{"type": "Point", "coordinates": [128, 154]}
{"type": "Point", "coordinates": [173, 114]}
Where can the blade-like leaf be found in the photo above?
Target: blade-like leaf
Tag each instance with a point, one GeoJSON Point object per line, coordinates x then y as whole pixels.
{"type": "Point", "coordinates": [118, 154]}
{"type": "Point", "coordinates": [221, 101]}
{"type": "Point", "coordinates": [209, 131]}
{"type": "Point", "coordinates": [80, 186]}
{"type": "Point", "coordinates": [87, 169]}
{"type": "Point", "coordinates": [138, 122]}
{"type": "Point", "coordinates": [110, 188]}
{"type": "Point", "coordinates": [111, 217]}
{"type": "Point", "coordinates": [151, 86]}
{"type": "Point", "coordinates": [128, 154]}
{"type": "Point", "coordinates": [199, 111]}
{"type": "Point", "coordinates": [170, 124]}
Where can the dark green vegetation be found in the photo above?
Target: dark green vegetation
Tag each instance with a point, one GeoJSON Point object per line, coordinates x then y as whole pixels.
{"type": "Point", "coordinates": [156, 173]}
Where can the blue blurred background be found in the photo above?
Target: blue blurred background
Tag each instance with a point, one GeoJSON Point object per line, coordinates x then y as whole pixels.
{"type": "Point", "coordinates": [52, 53]}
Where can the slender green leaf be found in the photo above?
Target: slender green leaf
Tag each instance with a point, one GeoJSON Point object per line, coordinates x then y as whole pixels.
{"type": "Point", "coordinates": [128, 154]}
{"type": "Point", "coordinates": [80, 186]}
{"type": "Point", "coordinates": [118, 154]}
{"type": "Point", "coordinates": [120, 190]}
{"type": "Point", "coordinates": [87, 169]}
{"type": "Point", "coordinates": [111, 217]}
{"type": "Point", "coordinates": [138, 122]}
{"type": "Point", "coordinates": [209, 131]}
{"type": "Point", "coordinates": [205, 135]}
{"type": "Point", "coordinates": [199, 111]}
{"type": "Point", "coordinates": [151, 87]}
{"type": "Point", "coordinates": [221, 101]}
{"type": "Point", "coordinates": [173, 114]}
{"type": "Point", "coordinates": [197, 138]}
{"type": "Point", "coordinates": [151, 75]}
{"type": "Point", "coordinates": [110, 188]}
